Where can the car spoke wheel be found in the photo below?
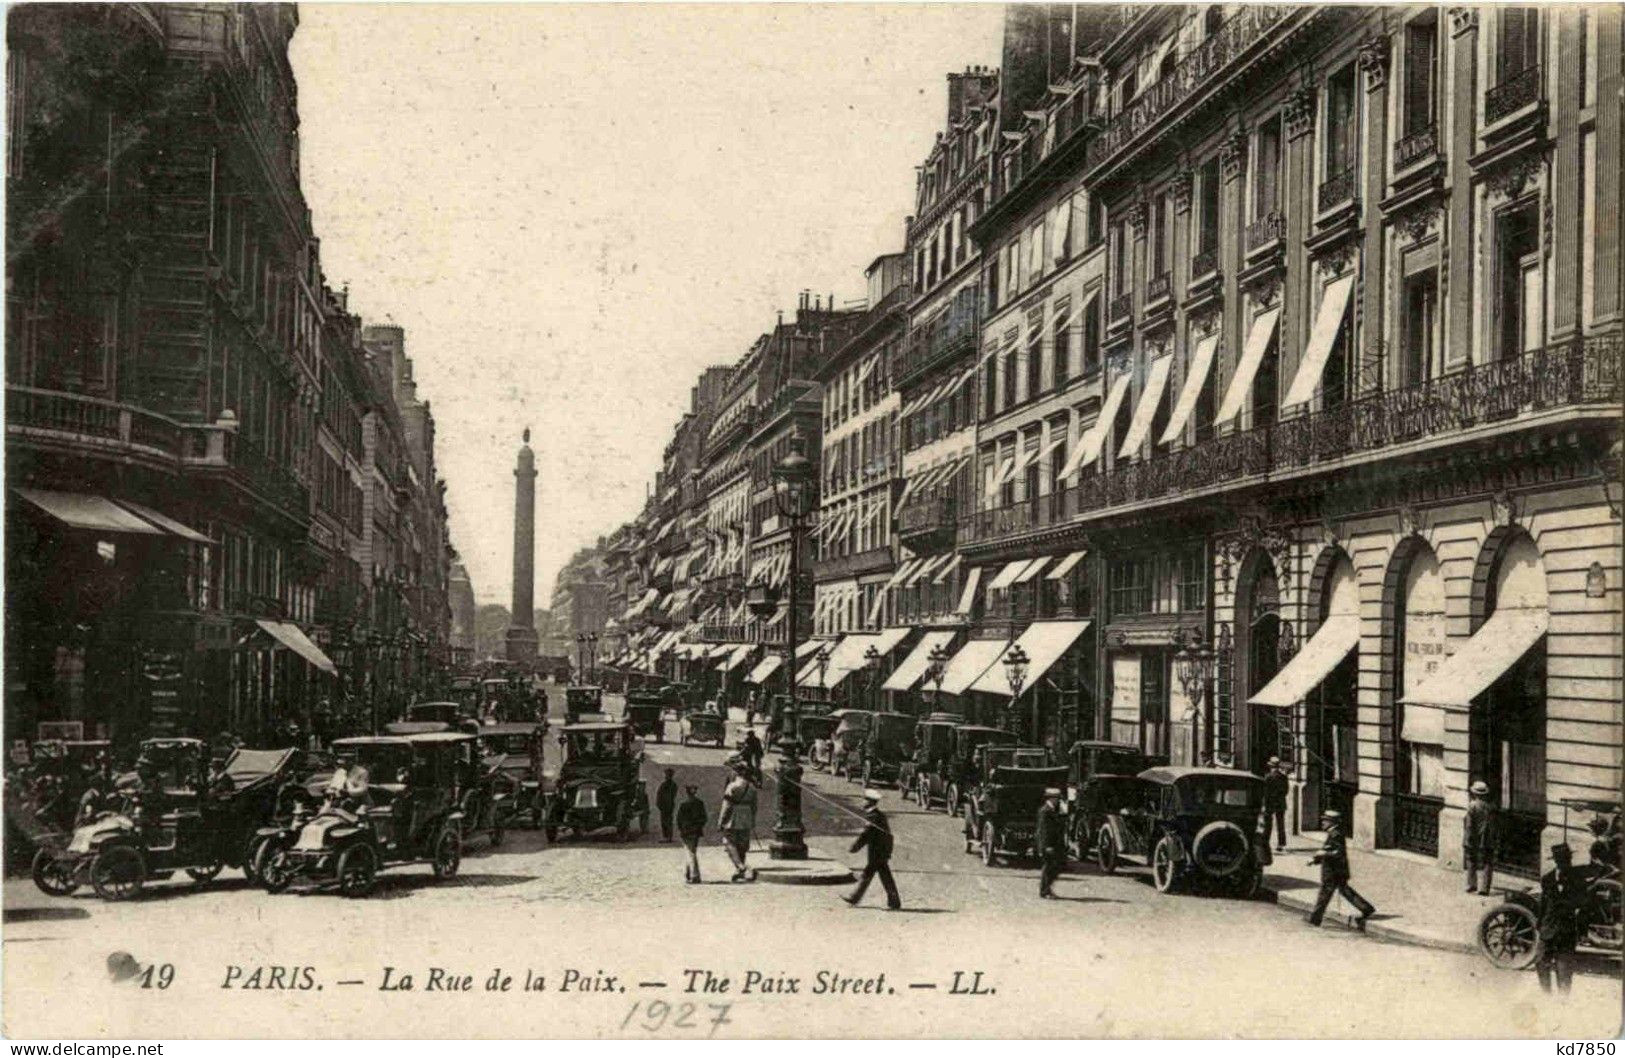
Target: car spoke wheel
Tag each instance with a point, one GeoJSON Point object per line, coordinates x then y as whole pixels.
{"type": "Point", "coordinates": [357, 870]}
{"type": "Point", "coordinates": [53, 874]}
{"type": "Point", "coordinates": [118, 873]}
{"type": "Point", "coordinates": [272, 867]}
{"type": "Point", "coordinates": [448, 853]}
{"type": "Point", "coordinates": [1165, 865]}
{"type": "Point", "coordinates": [1509, 937]}
{"type": "Point", "coordinates": [989, 856]}
{"type": "Point", "coordinates": [1106, 851]}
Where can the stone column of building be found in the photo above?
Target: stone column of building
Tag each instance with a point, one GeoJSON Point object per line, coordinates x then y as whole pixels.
{"type": "Point", "coordinates": [520, 640]}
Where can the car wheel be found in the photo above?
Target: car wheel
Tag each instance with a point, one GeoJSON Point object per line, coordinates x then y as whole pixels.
{"type": "Point", "coordinates": [953, 799]}
{"type": "Point", "coordinates": [1106, 851]}
{"type": "Point", "coordinates": [448, 853]}
{"type": "Point", "coordinates": [205, 875]}
{"type": "Point", "coordinates": [53, 874]}
{"type": "Point", "coordinates": [989, 845]}
{"type": "Point", "coordinates": [271, 865]}
{"type": "Point", "coordinates": [118, 873]}
{"type": "Point", "coordinates": [358, 869]}
{"type": "Point", "coordinates": [1165, 864]}
{"type": "Point", "coordinates": [1509, 937]}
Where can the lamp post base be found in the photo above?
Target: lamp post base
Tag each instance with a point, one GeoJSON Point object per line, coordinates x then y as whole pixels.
{"type": "Point", "coordinates": [787, 844]}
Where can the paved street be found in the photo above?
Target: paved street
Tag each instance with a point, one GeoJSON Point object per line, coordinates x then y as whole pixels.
{"type": "Point", "coordinates": [1111, 957]}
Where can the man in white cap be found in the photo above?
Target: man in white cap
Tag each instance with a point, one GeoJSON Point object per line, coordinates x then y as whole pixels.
{"type": "Point", "coordinates": [877, 839]}
{"type": "Point", "coordinates": [1478, 838]}
{"type": "Point", "coordinates": [1050, 840]}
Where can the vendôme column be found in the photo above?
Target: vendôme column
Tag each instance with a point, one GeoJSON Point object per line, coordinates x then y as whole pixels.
{"type": "Point", "coordinates": [520, 640]}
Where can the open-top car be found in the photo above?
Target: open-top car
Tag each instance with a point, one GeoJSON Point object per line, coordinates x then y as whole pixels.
{"type": "Point", "coordinates": [599, 783]}
{"type": "Point", "coordinates": [1091, 762]}
{"type": "Point", "coordinates": [169, 819]}
{"type": "Point", "coordinates": [391, 800]}
{"type": "Point", "coordinates": [703, 726]}
{"type": "Point", "coordinates": [933, 739]}
{"type": "Point", "coordinates": [846, 744]}
{"type": "Point", "coordinates": [1189, 825]}
{"type": "Point", "coordinates": [956, 773]}
{"type": "Point", "coordinates": [814, 733]}
{"type": "Point", "coordinates": [646, 712]}
{"type": "Point", "coordinates": [1005, 809]}
{"type": "Point", "coordinates": [889, 742]}
{"type": "Point", "coordinates": [583, 702]}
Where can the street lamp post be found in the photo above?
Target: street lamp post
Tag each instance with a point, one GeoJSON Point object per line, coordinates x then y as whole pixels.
{"type": "Point", "coordinates": [1193, 664]}
{"type": "Point", "coordinates": [871, 661]}
{"type": "Point", "coordinates": [792, 495]}
{"type": "Point", "coordinates": [1015, 670]}
{"type": "Point", "coordinates": [936, 671]}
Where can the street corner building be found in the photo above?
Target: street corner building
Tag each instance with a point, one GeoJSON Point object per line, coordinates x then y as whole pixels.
{"type": "Point", "coordinates": [222, 508]}
{"type": "Point", "coordinates": [1246, 385]}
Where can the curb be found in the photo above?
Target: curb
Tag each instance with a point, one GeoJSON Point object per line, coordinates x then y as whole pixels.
{"type": "Point", "coordinates": [1290, 901]}
{"type": "Point", "coordinates": [819, 868]}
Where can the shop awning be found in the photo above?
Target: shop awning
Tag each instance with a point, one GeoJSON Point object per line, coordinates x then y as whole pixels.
{"type": "Point", "coordinates": [1156, 383]}
{"type": "Point", "coordinates": [926, 568]}
{"type": "Point", "coordinates": [972, 659]}
{"type": "Point", "coordinates": [1007, 576]}
{"type": "Point", "coordinates": [903, 570]}
{"type": "Point", "coordinates": [1328, 321]}
{"type": "Point", "coordinates": [1044, 643]}
{"type": "Point", "coordinates": [886, 640]}
{"type": "Point", "coordinates": [1088, 449]}
{"type": "Point", "coordinates": [1034, 568]}
{"type": "Point", "coordinates": [291, 636]}
{"type": "Point", "coordinates": [912, 668]}
{"type": "Point", "coordinates": [83, 511]}
{"type": "Point", "coordinates": [765, 668]}
{"type": "Point", "coordinates": [736, 657]}
{"type": "Point", "coordinates": [164, 521]}
{"type": "Point", "coordinates": [968, 596]}
{"type": "Point", "coordinates": [1483, 659]}
{"type": "Point", "coordinates": [848, 658]}
{"type": "Point", "coordinates": [1326, 649]}
{"type": "Point", "coordinates": [947, 571]}
{"type": "Point", "coordinates": [1195, 378]}
{"type": "Point", "coordinates": [1252, 354]}
{"type": "Point", "coordinates": [1066, 565]}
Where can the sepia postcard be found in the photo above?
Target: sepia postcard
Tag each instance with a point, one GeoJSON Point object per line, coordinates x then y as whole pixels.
{"type": "Point", "coordinates": [768, 521]}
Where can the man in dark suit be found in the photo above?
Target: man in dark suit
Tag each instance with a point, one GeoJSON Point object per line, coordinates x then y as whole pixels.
{"type": "Point", "coordinates": [691, 827]}
{"type": "Point", "coordinates": [1562, 903]}
{"type": "Point", "coordinates": [1334, 874]}
{"type": "Point", "coordinates": [1478, 838]}
{"type": "Point", "coordinates": [1050, 840]}
{"type": "Point", "coordinates": [877, 839]}
{"type": "Point", "coordinates": [666, 803]}
{"type": "Point", "coordinates": [1275, 793]}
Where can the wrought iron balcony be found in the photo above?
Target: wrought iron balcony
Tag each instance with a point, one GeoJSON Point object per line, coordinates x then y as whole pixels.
{"type": "Point", "coordinates": [1205, 263]}
{"type": "Point", "coordinates": [1121, 307]}
{"type": "Point", "coordinates": [998, 522]}
{"type": "Point", "coordinates": [929, 516]}
{"type": "Point", "coordinates": [1415, 147]}
{"type": "Point", "coordinates": [1159, 287]}
{"type": "Point", "coordinates": [1337, 189]}
{"type": "Point", "coordinates": [1265, 231]}
{"type": "Point", "coordinates": [1512, 94]}
{"type": "Point", "coordinates": [840, 567]}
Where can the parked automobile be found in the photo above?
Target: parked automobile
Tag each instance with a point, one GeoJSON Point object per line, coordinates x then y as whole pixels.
{"type": "Point", "coordinates": [392, 800]}
{"type": "Point", "coordinates": [1189, 825]}
{"type": "Point", "coordinates": [465, 691]}
{"type": "Point", "coordinates": [454, 715]}
{"type": "Point", "coordinates": [846, 744]}
{"type": "Point", "coordinates": [815, 731]}
{"type": "Point", "coordinates": [46, 798]}
{"type": "Point", "coordinates": [889, 742]}
{"type": "Point", "coordinates": [1088, 760]}
{"type": "Point", "coordinates": [703, 726]}
{"type": "Point", "coordinates": [513, 755]}
{"type": "Point", "coordinates": [170, 821]}
{"type": "Point", "coordinates": [933, 740]}
{"type": "Point", "coordinates": [956, 773]}
{"type": "Point", "coordinates": [581, 702]}
{"type": "Point", "coordinates": [599, 784]}
{"type": "Point", "coordinates": [987, 758]}
{"type": "Point", "coordinates": [647, 714]}
{"type": "Point", "coordinates": [1006, 809]}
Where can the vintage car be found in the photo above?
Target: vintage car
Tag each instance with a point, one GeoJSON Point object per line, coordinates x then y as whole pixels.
{"type": "Point", "coordinates": [452, 714]}
{"type": "Point", "coordinates": [599, 783]}
{"type": "Point", "coordinates": [49, 795]}
{"type": "Point", "coordinates": [171, 819]}
{"type": "Point", "coordinates": [846, 744]}
{"type": "Point", "coordinates": [646, 713]}
{"type": "Point", "coordinates": [512, 757]}
{"type": "Point", "coordinates": [987, 757]}
{"type": "Point", "coordinates": [465, 691]}
{"type": "Point", "coordinates": [582, 702]}
{"type": "Point", "coordinates": [1086, 761]}
{"type": "Point", "coordinates": [1189, 825]}
{"type": "Point", "coordinates": [703, 726]}
{"type": "Point", "coordinates": [955, 774]}
{"type": "Point", "coordinates": [933, 738]}
{"type": "Point", "coordinates": [814, 734]}
{"type": "Point", "coordinates": [391, 800]}
{"type": "Point", "coordinates": [889, 743]}
{"type": "Point", "coordinates": [1006, 809]}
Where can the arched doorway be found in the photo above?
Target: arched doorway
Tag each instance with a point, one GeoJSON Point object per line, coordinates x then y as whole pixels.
{"type": "Point", "coordinates": [1507, 723]}
{"type": "Point", "coordinates": [1417, 732]}
{"type": "Point", "coordinates": [1258, 651]}
{"type": "Point", "coordinates": [1331, 723]}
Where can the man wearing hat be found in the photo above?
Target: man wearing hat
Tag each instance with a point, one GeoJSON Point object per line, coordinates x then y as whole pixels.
{"type": "Point", "coordinates": [738, 818]}
{"type": "Point", "coordinates": [1333, 858]}
{"type": "Point", "coordinates": [1050, 839]}
{"type": "Point", "coordinates": [1478, 838]}
{"type": "Point", "coordinates": [877, 839]}
{"type": "Point", "coordinates": [1562, 902]}
{"type": "Point", "coordinates": [1275, 791]}
{"type": "Point", "coordinates": [691, 827]}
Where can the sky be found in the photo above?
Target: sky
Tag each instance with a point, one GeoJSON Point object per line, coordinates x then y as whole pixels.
{"type": "Point", "coordinates": [572, 210]}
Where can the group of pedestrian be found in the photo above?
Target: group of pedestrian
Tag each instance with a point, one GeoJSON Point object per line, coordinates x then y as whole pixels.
{"type": "Point", "coordinates": [736, 820]}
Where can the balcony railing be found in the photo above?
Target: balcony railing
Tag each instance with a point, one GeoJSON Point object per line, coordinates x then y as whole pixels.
{"type": "Point", "coordinates": [1199, 71]}
{"type": "Point", "coordinates": [929, 515]}
{"type": "Point", "coordinates": [92, 419]}
{"type": "Point", "coordinates": [1205, 263]}
{"type": "Point", "coordinates": [1265, 231]}
{"type": "Point", "coordinates": [1512, 94]}
{"type": "Point", "coordinates": [854, 565]}
{"type": "Point", "coordinates": [1159, 287]}
{"type": "Point", "coordinates": [1336, 189]}
{"type": "Point", "coordinates": [1416, 146]}
{"type": "Point", "coordinates": [1569, 374]}
{"type": "Point", "coordinates": [1120, 307]}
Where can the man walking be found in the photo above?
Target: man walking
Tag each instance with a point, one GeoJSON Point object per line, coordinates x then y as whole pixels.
{"type": "Point", "coordinates": [1275, 791]}
{"type": "Point", "coordinates": [666, 803]}
{"type": "Point", "coordinates": [691, 828]}
{"type": "Point", "coordinates": [877, 839]}
{"type": "Point", "coordinates": [1478, 838]}
{"type": "Point", "coordinates": [1562, 899]}
{"type": "Point", "coordinates": [753, 751]}
{"type": "Point", "coordinates": [1334, 874]}
{"type": "Point", "coordinates": [1050, 838]}
{"type": "Point", "coordinates": [738, 819]}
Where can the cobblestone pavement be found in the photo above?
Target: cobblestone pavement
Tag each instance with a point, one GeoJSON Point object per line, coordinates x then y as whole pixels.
{"type": "Point", "coordinates": [1111, 957]}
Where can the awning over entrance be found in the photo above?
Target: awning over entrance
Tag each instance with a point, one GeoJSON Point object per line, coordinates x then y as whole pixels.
{"type": "Point", "coordinates": [765, 668]}
{"type": "Point", "coordinates": [736, 657]}
{"type": "Point", "coordinates": [1044, 643]}
{"type": "Point", "coordinates": [1328, 321]}
{"type": "Point", "coordinates": [1156, 383]}
{"type": "Point", "coordinates": [164, 521]}
{"type": "Point", "coordinates": [291, 636]}
{"type": "Point", "coordinates": [912, 668]}
{"type": "Point", "coordinates": [1483, 659]}
{"type": "Point", "coordinates": [1252, 354]}
{"type": "Point", "coordinates": [845, 659]}
{"type": "Point", "coordinates": [1326, 649]}
{"type": "Point", "coordinates": [1195, 378]}
{"type": "Point", "coordinates": [973, 659]}
{"type": "Point", "coordinates": [82, 511]}
{"type": "Point", "coordinates": [886, 640]}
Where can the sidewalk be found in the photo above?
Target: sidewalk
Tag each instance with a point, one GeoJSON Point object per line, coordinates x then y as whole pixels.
{"type": "Point", "coordinates": [823, 865]}
{"type": "Point", "coordinates": [1417, 902]}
